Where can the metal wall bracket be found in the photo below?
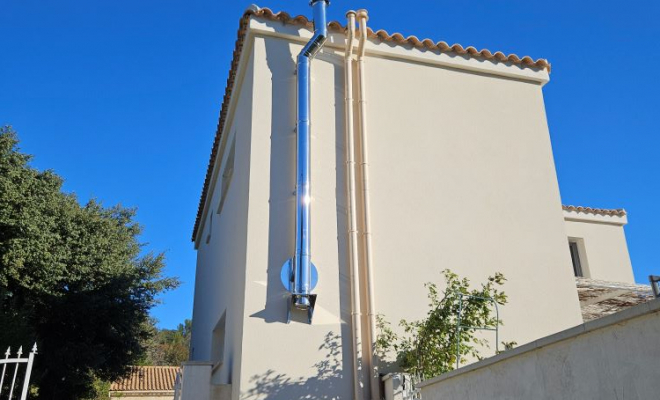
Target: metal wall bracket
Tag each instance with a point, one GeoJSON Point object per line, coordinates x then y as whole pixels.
{"type": "Point", "coordinates": [287, 276]}
{"type": "Point", "coordinates": [291, 306]}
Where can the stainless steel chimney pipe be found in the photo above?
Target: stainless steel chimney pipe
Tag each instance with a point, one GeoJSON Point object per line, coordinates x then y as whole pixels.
{"type": "Point", "coordinates": [299, 275]}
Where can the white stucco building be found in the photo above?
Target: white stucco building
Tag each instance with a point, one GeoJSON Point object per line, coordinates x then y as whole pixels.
{"type": "Point", "coordinates": [460, 175]}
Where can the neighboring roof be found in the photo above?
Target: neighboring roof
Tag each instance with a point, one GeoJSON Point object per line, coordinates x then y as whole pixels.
{"type": "Point", "coordinates": [380, 35]}
{"type": "Point", "coordinates": [147, 379]}
{"type": "Point", "coordinates": [600, 298]}
{"type": "Point", "coordinates": [619, 212]}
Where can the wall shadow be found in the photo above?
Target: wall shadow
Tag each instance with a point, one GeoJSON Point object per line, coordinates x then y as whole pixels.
{"type": "Point", "coordinates": [281, 208]}
{"type": "Point", "coordinates": [280, 59]}
{"type": "Point", "coordinates": [343, 275]}
{"type": "Point", "coordinates": [327, 384]}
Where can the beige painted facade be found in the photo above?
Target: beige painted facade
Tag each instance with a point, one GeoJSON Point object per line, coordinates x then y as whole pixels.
{"type": "Point", "coordinates": [462, 177]}
{"type": "Point", "coordinates": [601, 244]}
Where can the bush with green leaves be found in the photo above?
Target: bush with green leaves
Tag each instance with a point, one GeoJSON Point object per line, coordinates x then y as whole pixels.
{"type": "Point", "coordinates": [427, 347]}
{"type": "Point", "coordinates": [73, 278]}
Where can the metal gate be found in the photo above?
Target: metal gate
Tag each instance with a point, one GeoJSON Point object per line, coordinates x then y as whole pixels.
{"type": "Point", "coordinates": [8, 378]}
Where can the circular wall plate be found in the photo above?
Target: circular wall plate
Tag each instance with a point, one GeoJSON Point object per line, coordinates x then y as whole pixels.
{"type": "Point", "coordinates": [286, 275]}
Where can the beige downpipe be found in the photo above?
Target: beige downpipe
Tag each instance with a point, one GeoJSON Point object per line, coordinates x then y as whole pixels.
{"type": "Point", "coordinates": [373, 368]}
{"type": "Point", "coordinates": [356, 314]}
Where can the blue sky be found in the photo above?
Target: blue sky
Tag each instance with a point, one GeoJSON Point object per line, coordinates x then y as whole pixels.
{"type": "Point", "coordinates": [121, 98]}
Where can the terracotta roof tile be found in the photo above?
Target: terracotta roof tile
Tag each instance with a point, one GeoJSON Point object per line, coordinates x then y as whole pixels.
{"type": "Point", "coordinates": [619, 212]}
{"type": "Point", "coordinates": [380, 35]}
{"type": "Point", "coordinates": [146, 379]}
{"type": "Point", "coordinates": [398, 38]}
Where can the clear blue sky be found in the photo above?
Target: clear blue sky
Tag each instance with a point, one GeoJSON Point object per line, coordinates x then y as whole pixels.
{"type": "Point", "coordinates": [122, 98]}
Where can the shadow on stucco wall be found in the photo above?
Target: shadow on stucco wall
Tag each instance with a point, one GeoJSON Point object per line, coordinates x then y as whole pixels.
{"type": "Point", "coordinates": [280, 59]}
{"type": "Point", "coordinates": [327, 384]}
{"type": "Point", "coordinates": [345, 300]}
{"type": "Point", "coordinates": [281, 208]}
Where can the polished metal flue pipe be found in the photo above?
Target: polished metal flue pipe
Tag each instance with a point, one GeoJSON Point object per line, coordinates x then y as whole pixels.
{"type": "Point", "coordinates": [301, 272]}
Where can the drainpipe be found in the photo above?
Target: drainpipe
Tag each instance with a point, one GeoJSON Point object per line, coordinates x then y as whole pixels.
{"type": "Point", "coordinates": [371, 316]}
{"type": "Point", "coordinates": [299, 275]}
{"type": "Point", "coordinates": [356, 314]}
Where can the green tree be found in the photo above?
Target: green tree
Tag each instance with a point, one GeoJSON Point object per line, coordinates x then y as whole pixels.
{"type": "Point", "coordinates": [72, 277]}
{"type": "Point", "coordinates": [169, 346]}
{"type": "Point", "coordinates": [428, 346]}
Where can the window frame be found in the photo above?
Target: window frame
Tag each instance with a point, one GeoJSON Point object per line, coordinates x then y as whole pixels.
{"type": "Point", "coordinates": [227, 173]}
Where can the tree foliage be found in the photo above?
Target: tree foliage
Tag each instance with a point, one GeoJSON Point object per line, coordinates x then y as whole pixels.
{"type": "Point", "coordinates": [169, 346]}
{"type": "Point", "coordinates": [163, 347]}
{"type": "Point", "coordinates": [72, 277]}
{"type": "Point", "coordinates": [428, 346]}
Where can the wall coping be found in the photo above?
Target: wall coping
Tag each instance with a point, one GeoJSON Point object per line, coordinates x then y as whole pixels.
{"type": "Point", "coordinates": [652, 306]}
{"type": "Point", "coordinates": [577, 216]}
{"type": "Point", "coordinates": [197, 363]}
{"type": "Point", "coordinates": [407, 53]}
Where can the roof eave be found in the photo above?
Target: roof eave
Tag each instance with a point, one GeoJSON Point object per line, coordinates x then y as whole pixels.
{"type": "Point", "coordinates": [596, 215]}
{"type": "Point", "coordinates": [228, 103]}
{"type": "Point", "coordinates": [439, 53]}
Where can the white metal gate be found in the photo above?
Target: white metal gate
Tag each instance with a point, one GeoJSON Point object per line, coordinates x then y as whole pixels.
{"type": "Point", "coordinates": [7, 386]}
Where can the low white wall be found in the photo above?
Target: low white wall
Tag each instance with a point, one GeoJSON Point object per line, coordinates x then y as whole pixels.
{"type": "Point", "coordinates": [196, 381]}
{"type": "Point", "coordinates": [615, 357]}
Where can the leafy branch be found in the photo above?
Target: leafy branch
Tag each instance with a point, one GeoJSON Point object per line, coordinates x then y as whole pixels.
{"type": "Point", "coordinates": [428, 347]}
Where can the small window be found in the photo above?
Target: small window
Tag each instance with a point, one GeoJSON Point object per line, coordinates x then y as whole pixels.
{"type": "Point", "coordinates": [575, 258]}
{"type": "Point", "coordinates": [218, 343]}
{"type": "Point", "coordinates": [227, 174]}
{"type": "Point", "coordinates": [208, 237]}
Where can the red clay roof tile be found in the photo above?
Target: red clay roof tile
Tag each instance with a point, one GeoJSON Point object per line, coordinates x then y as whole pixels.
{"type": "Point", "coordinates": [619, 212]}
{"type": "Point", "coordinates": [381, 35]}
{"type": "Point", "coordinates": [147, 378]}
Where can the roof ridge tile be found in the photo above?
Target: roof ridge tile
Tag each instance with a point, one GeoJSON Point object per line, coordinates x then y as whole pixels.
{"type": "Point", "coordinates": [618, 212]}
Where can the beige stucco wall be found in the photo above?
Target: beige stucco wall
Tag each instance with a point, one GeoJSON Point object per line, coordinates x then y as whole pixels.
{"type": "Point", "coordinates": [615, 357]}
{"type": "Point", "coordinates": [220, 275]}
{"type": "Point", "coordinates": [601, 245]}
{"type": "Point", "coordinates": [283, 360]}
{"type": "Point", "coordinates": [462, 178]}
{"type": "Point", "coordinates": [197, 382]}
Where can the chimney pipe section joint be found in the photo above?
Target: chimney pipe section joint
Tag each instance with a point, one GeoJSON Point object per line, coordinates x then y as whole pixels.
{"type": "Point", "coordinates": [299, 275]}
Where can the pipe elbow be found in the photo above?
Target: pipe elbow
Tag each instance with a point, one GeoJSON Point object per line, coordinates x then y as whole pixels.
{"type": "Point", "coordinates": [363, 17]}
{"type": "Point", "coordinates": [320, 29]}
{"type": "Point", "coordinates": [312, 47]}
{"type": "Point", "coordinates": [350, 32]}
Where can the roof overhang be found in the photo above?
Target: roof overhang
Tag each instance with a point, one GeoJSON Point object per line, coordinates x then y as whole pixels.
{"type": "Point", "coordinates": [264, 22]}
{"type": "Point", "coordinates": [383, 45]}
{"type": "Point", "coordinates": [584, 215]}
